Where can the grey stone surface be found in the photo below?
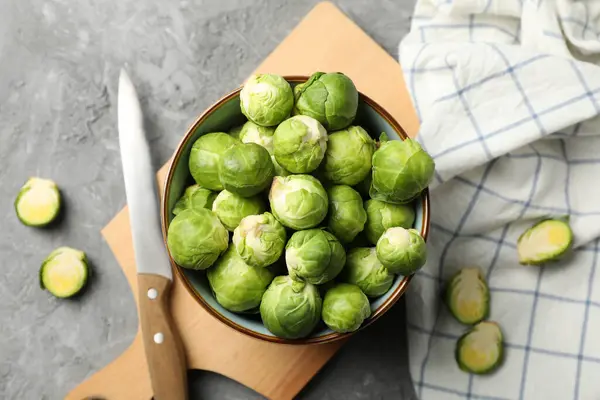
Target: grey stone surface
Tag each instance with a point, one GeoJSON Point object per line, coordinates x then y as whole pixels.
{"type": "Point", "coordinates": [59, 62]}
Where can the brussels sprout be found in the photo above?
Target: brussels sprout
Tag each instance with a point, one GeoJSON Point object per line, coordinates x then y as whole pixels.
{"type": "Point", "coordinates": [383, 137]}
{"type": "Point", "coordinates": [548, 240]}
{"type": "Point", "coordinates": [64, 272]}
{"type": "Point", "coordinates": [364, 186]}
{"type": "Point", "coordinates": [345, 307]}
{"type": "Point", "coordinates": [253, 133]}
{"type": "Point", "coordinates": [348, 156]}
{"type": "Point", "coordinates": [299, 144]}
{"type": "Point", "coordinates": [38, 202]}
{"type": "Point", "coordinates": [195, 197]}
{"type": "Point", "coordinates": [347, 216]}
{"type": "Point", "coordinates": [246, 169]}
{"type": "Point", "coordinates": [314, 256]}
{"type": "Point", "coordinates": [401, 170]}
{"type": "Point", "coordinates": [290, 309]}
{"type": "Point", "coordinates": [235, 131]}
{"type": "Point", "coordinates": [266, 99]}
{"type": "Point", "coordinates": [298, 201]}
{"type": "Point", "coordinates": [237, 286]}
{"type": "Point", "coordinates": [330, 98]}
{"type": "Point", "coordinates": [205, 157]}
{"type": "Point", "coordinates": [231, 208]}
{"type": "Point", "coordinates": [480, 350]}
{"type": "Point", "coordinates": [196, 238]}
{"type": "Point", "coordinates": [402, 251]}
{"type": "Point", "coordinates": [468, 297]}
{"type": "Point", "coordinates": [259, 239]}
{"type": "Point", "coordinates": [364, 269]}
{"type": "Point", "coordinates": [381, 216]}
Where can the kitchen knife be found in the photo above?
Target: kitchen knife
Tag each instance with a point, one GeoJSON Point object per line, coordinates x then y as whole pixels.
{"type": "Point", "coordinates": [162, 344]}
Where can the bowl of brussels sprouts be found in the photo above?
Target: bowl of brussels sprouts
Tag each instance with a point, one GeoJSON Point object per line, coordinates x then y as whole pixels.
{"type": "Point", "coordinates": [296, 209]}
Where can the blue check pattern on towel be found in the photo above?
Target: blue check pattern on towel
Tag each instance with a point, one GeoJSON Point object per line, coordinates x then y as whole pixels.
{"type": "Point", "coordinates": [508, 95]}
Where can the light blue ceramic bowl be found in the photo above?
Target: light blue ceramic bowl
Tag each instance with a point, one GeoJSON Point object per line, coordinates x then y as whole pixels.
{"type": "Point", "coordinates": [224, 115]}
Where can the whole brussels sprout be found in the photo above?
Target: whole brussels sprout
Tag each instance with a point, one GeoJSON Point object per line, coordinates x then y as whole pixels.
{"type": "Point", "coordinates": [347, 216]}
{"type": "Point", "coordinates": [330, 98]}
{"type": "Point", "coordinates": [231, 208]}
{"type": "Point", "coordinates": [205, 157]}
{"type": "Point", "coordinates": [348, 156]}
{"type": "Point", "coordinates": [237, 286]}
{"type": "Point", "coordinates": [364, 269]}
{"type": "Point", "coordinates": [381, 216]}
{"type": "Point", "coordinates": [196, 238]}
{"type": "Point", "coordinates": [253, 133]}
{"type": "Point", "coordinates": [401, 170]}
{"type": "Point", "coordinates": [246, 169]}
{"type": "Point", "coordinates": [345, 307]}
{"type": "Point", "coordinates": [298, 201]}
{"type": "Point", "coordinates": [300, 143]}
{"type": "Point", "coordinates": [266, 99]}
{"type": "Point", "coordinates": [290, 309]}
{"type": "Point", "coordinates": [402, 251]}
{"type": "Point", "coordinates": [259, 239]}
{"type": "Point", "coordinates": [314, 256]}
{"type": "Point", "coordinates": [195, 197]}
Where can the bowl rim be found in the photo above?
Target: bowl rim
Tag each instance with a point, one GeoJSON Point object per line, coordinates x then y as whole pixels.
{"type": "Point", "coordinates": [330, 337]}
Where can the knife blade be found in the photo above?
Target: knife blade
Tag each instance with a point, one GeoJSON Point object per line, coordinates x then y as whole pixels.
{"type": "Point", "coordinates": [162, 344]}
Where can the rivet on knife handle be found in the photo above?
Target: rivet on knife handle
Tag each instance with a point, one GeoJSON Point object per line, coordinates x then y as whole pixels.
{"type": "Point", "coordinates": [163, 346]}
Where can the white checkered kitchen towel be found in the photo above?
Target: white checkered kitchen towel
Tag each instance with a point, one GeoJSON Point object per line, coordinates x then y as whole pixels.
{"type": "Point", "coordinates": [508, 94]}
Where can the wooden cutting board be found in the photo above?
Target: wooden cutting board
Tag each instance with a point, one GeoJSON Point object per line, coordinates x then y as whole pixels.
{"type": "Point", "coordinates": [278, 372]}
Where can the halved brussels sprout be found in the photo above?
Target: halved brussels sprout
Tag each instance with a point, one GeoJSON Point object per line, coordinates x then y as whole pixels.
{"type": "Point", "coordinates": [548, 240]}
{"type": "Point", "coordinates": [347, 216]}
{"type": "Point", "coordinates": [348, 156]}
{"type": "Point", "coordinates": [195, 197]}
{"type": "Point", "coordinates": [259, 239]}
{"type": "Point", "coordinates": [300, 143]}
{"type": "Point", "coordinates": [290, 309]}
{"type": "Point", "coordinates": [401, 171]}
{"type": "Point", "coordinates": [266, 99]}
{"type": "Point", "coordinates": [237, 286]}
{"type": "Point", "coordinates": [314, 256]}
{"type": "Point", "coordinates": [480, 350]}
{"type": "Point", "coordinates": [402, 251]}
{"type": "Point", "coordinates": [246, 169]}
{"type": "Point", "coordinates": [231, 208]}
{"type": "Point", "coordinates": [381, 216]}
{"type": "Point", "coordinates": [205, 157]}
{"type": "Point", "coordinates": [64, 272]}
{"type": "Point", "coordinates": [196, 238]}
{"type": "Point", "coordinates": [345, 307]}
{"type": "Point", "coordinates": [38, 202]}
{"type": "Point", "coordinates": [468, 297]}
{"type": "Point", "coordinates": [330, 98]}
{"type": "Point", "coordinates": [298, 201]}
{"type": "Point", "coordinates": [364, 269]}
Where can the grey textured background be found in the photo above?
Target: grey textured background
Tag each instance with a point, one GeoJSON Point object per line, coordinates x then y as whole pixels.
{"type": "Point", "coordinates": [59, 61]}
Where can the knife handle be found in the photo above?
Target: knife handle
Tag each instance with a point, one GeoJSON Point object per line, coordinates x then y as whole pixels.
{"type": "Point", "coordinates": [163, 346]}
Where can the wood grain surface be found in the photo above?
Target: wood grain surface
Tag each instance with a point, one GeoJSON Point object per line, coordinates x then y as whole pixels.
{"type": "Point", "coordinates": [276, 371]}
